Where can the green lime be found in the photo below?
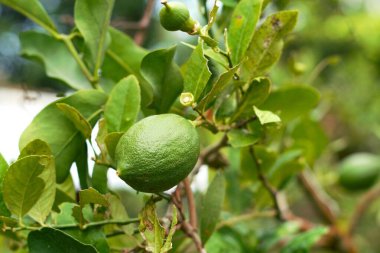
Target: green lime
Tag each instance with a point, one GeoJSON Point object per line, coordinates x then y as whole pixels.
{"type": "Point", "coordinates": [359, 171]}
{"type": "Point", "coordinates": [175, 16]}
{"type": "Point", "coordinates": [157, 152]}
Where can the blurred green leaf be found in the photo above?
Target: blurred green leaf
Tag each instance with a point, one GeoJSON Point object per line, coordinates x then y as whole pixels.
{"type": "Point", "coordinates": [168, 241]}
{"type": "Point", "coordinates": [56, 58]}
{"type": "Point", "coordinates": [212, 206]}
{"type": "Point", "coordinates": [151, 229]}
{"type": "Point", "coordinates": [242, 138]}
{"type": "Point", "coordinates": [256, 94]}
{"type": "Point", "coordinates": [81, 162]}
{"type": "Point", "coordinates": [164, 76]}
{"type": "Point", "coordinates": [302, 243]}
{"type": "Point", "coordinates": [99, 178]}
{"type": "Point", "coordinates": [117, 208]}
{"type": "Point", "coordinates": [35, 147]}
{"type": "Point", "coordinates": [76, 118]}
{"type": "Point", "coordinates": [92, 18]}
{"type": "Point", "coordinates": [9, 222]}
{"type": "Point", "coordinates": [92, 196]}
{"type": "Point", "coordinates": [3, 169]}
{"type": "Point", "coordinates": [123, 105]}
{"type": "Point", "coordinates": [266, 45]}
{"type": "Point", "coordinates": [65, 216]}
{"type": "Point", "coordinates": [34, 10]}
{"type": "Point", "coordinates": [92, 236]}
{"type": "Point", "coordinates": [124, 57]}
{"type": "Point", "coordinates": [218, 87]}
{"type": "Point", "coordinates": [196, 73]}
{"type": "Point", "coordinates": [50, 240]}
{"type": "Point", "coordinates": [292, 101]}
{"type": "Point", "coordinates": [229, 3]}
{"type": "Point", "coordinates": [25, 182]}
{"type": "Point", "coordinates": [242, 27]}
{"type": "Point", "coordinates": [111, 141]}
{"type": "Point", "coordinates": [65, 141]}
{"type": "Point", "coordinates": [266, 117]}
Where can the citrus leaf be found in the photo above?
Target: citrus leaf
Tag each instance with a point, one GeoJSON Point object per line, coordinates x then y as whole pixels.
{"type": "Point", "coordinates": [117, 208]}
{"type": "Point", "coordinates": [242, 27]}
{"type": "Point", "coordinates": [302, 243]}
{"type": "Point", "coordinates": [3, 169]}
{"type": "Point", "coordinates": [241, 138]}
{"type": "Point", "coordinates": [81, 161]}
{"type": "Point", "coordinates": [196, 73]}
{"type": "Point", "coordinates": [266, 45]}
{"type": "Point", "coordinates": [76, 118]}
{"type": "Point", "coordinates": [99, 178]}
{"type": "Point", "coordinates": [34, 10]}
{"type": "Point", "coordinates": [91, 196]}
{"type": "Point", "coordinates": [168, 241]}
{"type": "Point", "coordinates": [111, 142]}
{"type": "Point", "coordinates": [50, 240]}
{"type": "Point", "coordinates": [53, 127]}
{"type": "Point", "coordinates": [92, 17]}
{"type": "Point", "coordinates": [25, 182]}
{"type": "Point", "coordinates": [92, 236]}
{"type": "Point", "coordinates": [8, 221]}
{"type": "Point", "coordinates": [212, 207]}
{"type": "Point", "coordinates": [64, 216]}
{"type": "Point", "coordinates": [56, 58]}
{"type": "Point", "coordinates": [123, 58]}
{"type": "Point", "coordinates": [266, 117]}
{"type": "Point", "coordinates": [291, 102]}
{"type": "Point", "coordinates": [123, 105]}
{"type": "Point", "coordinates": [35, 147]}
{"type": "Point", "coordinates": [218, 87]}
{"type": "Point", "coordinates": [151, 229]}
{"type": "Point", "coordinates": [164, 76]}
{"type": "Point", "coordinates": [256, 94]}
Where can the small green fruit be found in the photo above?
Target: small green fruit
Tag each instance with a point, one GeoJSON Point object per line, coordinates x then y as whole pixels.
{"type": "Point", "coordinates": [359, 171]}
{"type": "Point", "coordinates": [157, 153]}
{"type": "Point", "coordinates": [175, 16]}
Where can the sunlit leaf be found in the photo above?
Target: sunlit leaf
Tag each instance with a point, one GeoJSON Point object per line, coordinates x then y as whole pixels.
{"type": "Point", "coordinates": [266, 117]}
{"type": "Point", "coordinates": [91, 196]}
{"type": "Point", "coordinates": [76, 118]}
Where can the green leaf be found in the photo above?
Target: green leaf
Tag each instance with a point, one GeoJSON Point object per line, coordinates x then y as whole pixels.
{"type": "Point", "coordinates": [99, 178]}
{"type": "Point", "coordinates": [256, 94]}
{"type": "Point", "coordinates": [239, 138]}
{"type": "Point", "coordinates": [266, 117]}
{"type": "Point", "coordinates": [242, 27]}
{"type": "Point", "coordinates": [56, 58]}
{"type": "Point", "coordinates": [302, 243]}
{"type": "Point", "coordinates": [229, 3]}
{"type": "Point", "coordinates": [65, 216]}
{"type": "Point", "coordinates": [26, 181]}
{"type": "Point", "coordinates": [93, 236]}
{"type": "Point", "coordinates": [50, 240]}
{"type": "Point", "coordinates": [76, 118]}
{"type": "Point", "coordinates": [35, 147]}
{"type": "Point", "coordinates": [168, 242]}
{"type": "Point", "coordinates": [164, 76]}
{"type": "Point", "coordinates": [92, 17]}
{"type": "Point", "coordinates": [81, 161]}
{"type": "Point", "coordinates": [53, 127]}
{"type": "Point", "coordinates": [220, 85]}
{"type": "Point", "coordinates": [3, 169]}
{"type": "Point", "coordinates": [111, 142]}
{"type": "Point", "coordinates": [91, 196]}
{"type": "Point", "coordinates": [8, 221]}
{"type": "Point", "coordinates": [212, 207]}
{"type": "Point", "coordinates": [123, 105]}
{"type": "Point", "coordinates": [151, 229]}
{"type": "Point", "coordinates": [266, 46]}
{"type": "Point", "coordinates": [34, 10]}
{"type": "Point", "coordinates": [291, 102]}
{"type": "Point", "coordinates": [117, 208]}
{"type": "Point", "coordinates": [196, 73]}
{"type": "Point", "coordinates": [124, 57]}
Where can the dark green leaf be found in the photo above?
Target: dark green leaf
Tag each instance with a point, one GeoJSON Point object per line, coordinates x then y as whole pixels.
{"type": "Point", "coordinates": [3, 169]}
{"type": "Point", "coordinates": [242, 27]}
{"type": "Point", "coordinates": [99, 178]}
{"type": "Point", "coordinates": [56, 58]}
{"type": "Point", "coordinates": [302, 243]}
{"type": "Point", "coordinates": [92, 18]}
{"type": "Point", "coordinates": [212, 207]}
{"type": "Point", "coordinates": [123, 105]}
{"type": "Point", "coordinates": [164, 76]}
{"type": "Point", "coordinates": [291, 102]}
{"type": "Point", "coordinates": [123, 58]}
{"type": "Point", "coordinates": [35, 147]}
{"type": "Point", "coordinates": [111, 141]}
{"type": "Point", "coordinates": [76, 118]}
{"type": "Point", "coordinates": [266, 45]}
{"type": "Point", "coordinates": [196, 72]}
{"type": "Point", "coordinates": [94, 237]}
{"type": "Point", "coordinates": [256, 94]}
{"type": "Point", "coordinates": [91, 196]}
{"type": "Point", "coordinates": [33, 10]}
{"type": "Point", "coordinates": [25, 182]}
{"type": "Point", "coordinates": [53, 127]}
{"type": "Point", "coordinates": [82, 167]}
{"type": "Point", "coordinates": [242, 138]}
{"type": "Point", "coordinates": [50, 240]}
{"type": "Point", "coordinates": [266, 117]}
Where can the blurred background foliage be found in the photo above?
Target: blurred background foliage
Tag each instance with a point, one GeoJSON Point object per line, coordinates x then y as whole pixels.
{"type": "Point", "coordinates": [335, 48]}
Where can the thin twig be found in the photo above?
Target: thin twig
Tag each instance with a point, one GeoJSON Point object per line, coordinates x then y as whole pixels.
{"type": "Point", "coordinates": [191, 203]}
{"type": "Point", "coordinates": [144, 23]}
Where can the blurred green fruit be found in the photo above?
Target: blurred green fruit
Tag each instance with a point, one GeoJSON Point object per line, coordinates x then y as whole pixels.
{"type": "Point", "coordinates": [175, 16]}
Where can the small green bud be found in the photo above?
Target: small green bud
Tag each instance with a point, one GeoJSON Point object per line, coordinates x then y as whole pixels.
{"type": "Point", "coordinates": [186, 99]}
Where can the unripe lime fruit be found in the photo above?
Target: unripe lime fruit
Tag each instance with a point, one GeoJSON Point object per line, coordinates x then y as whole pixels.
{"type": "Point", "coordinates": [175, 16]}
{"type": "Point", "coordinates": [157, 152]}
{"type": "Point", "coordinates": [359, 171]}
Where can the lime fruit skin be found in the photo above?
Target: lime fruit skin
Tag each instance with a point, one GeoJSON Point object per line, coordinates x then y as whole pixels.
{"type": "Point", "coordinates": [175, 16]}
{"type": "Point", "coordinates": [157, 152]}
{"type": "Point", "coordinates": [359, 171]}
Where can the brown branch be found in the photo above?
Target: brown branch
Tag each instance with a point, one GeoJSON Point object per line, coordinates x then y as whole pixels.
{"type": "Point", "coordinates": [191, 203]}
{"type": "Point", "coordinates": [366, 200]}
{"type": "Point", "coordinates": [144, 23]}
